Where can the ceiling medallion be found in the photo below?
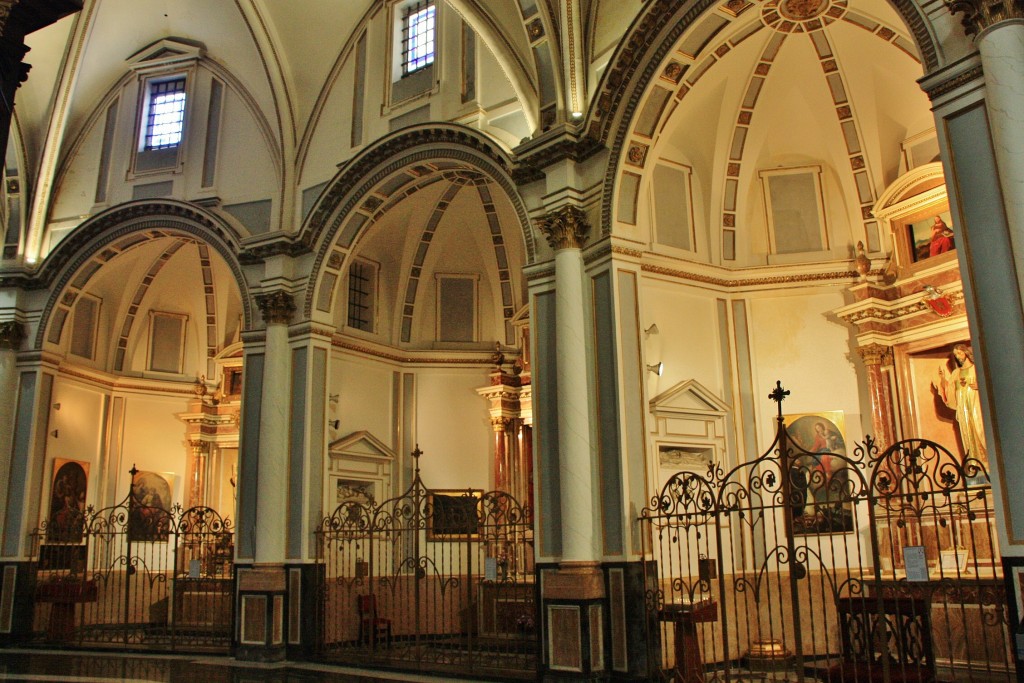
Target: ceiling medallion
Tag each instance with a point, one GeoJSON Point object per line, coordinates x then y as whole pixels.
{"type": "Point", "coordinates": [801, 16]}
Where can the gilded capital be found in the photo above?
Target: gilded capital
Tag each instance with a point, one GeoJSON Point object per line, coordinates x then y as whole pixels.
{"type": "Point", "coordinates": [276, 307]}
{"type": "Point", "coordinates": [979, 15]}
{"type": "Point", "coordinates": [11, 334]}
{"type": "Point", "coordinates": [565, 228]}
{"type": "Point", "coordinates": [875, 354]}
{"type": "Point", "coordinates": [501, 424]}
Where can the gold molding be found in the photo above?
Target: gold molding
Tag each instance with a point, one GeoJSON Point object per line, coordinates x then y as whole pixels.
{"type": "Point", "coordinates": [565, 228]}
{"type": "Point", "coordinates": [979, 15]}
{"type": "Point", "coordinates": [276, 307]}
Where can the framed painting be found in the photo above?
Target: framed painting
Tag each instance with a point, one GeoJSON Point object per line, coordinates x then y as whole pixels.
{"type": "Point", "coordinates": [453, 515]}
{"type": "Point", "coordinates": [67, 501]}
{"type": "Point", "coordinates": [150, 516]}
{"type": "Point", "coordinates": [924, 237]}
{"type": "Point", "coordinates": [817, 476]}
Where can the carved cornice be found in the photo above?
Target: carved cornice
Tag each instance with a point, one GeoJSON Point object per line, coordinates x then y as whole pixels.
{"type": "Point", "coordinates": [536, 155]}
{"type": "Point", "coordinates": [961, 79]}
{"type": "Point", "coordinates": [876, 354]}
{"type": "Point", "coordinates": [276, 307]}
{"type": "Point", "coordinates": [979, 15]}
{"type": "Point", "coordinates": [12, 333]}
{"type": "Point", "coordinates": [565, 228]}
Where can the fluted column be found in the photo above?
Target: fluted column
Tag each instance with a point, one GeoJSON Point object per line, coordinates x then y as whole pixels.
{"type": "Point", "coordinates": [998, 28]}
{"type": "Point", "coordinates": [876, 357]}
{"type": "Point", "coordinates": [272, 487]}
{"type": "Point", "coordinates": [566, 231]}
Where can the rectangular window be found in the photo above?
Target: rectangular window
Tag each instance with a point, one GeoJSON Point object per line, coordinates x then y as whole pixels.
{"type": "Point", "coordinates": [362, 284]}
{"type": "Point", "coordinates": [795, 211]}
{"type": "Point", "coordinates": [456, 308]}
{"type": "Point", "coordinates": [165, 119]}
{"type": "Point", "coordinates": [166, 342]}
{"type": "Point", "coordinates": [83, 327]}
{"type": "Point", "coordinates": [417, 37]}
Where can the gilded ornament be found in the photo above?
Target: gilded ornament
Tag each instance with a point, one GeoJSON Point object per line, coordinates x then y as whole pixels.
{"type": "Point", "coordinates": [565, 228]}
{"type": "Point", "coordinates": [276, 307]}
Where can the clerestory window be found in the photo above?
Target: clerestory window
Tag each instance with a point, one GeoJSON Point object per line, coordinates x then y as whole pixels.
{"type": "Point", "coordinates": [418, 36]}
{"type": "Point", "coordinates": [165, 118]}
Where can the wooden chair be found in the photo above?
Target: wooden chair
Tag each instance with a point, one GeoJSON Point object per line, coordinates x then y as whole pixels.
{"type": "Point", "coordinates": [873, 630]}
{"type": "Point", "coordinates": [372, 629]}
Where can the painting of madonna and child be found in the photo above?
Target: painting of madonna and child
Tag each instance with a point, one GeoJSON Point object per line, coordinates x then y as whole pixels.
{"type": "Point", "coordinates": [818, 477]}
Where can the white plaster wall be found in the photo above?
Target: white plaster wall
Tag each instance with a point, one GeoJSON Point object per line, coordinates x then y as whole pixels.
{"type": "Point", "coordinates": [364, 396]}
{"type": "Point", "coordinates": [154, 441]}
{"type": "Point", "coordinates": [688, 339]}
{"type": "Point", "coordinates": [453, 429]}
{"type": "Point", "coordinates": [79, 428]}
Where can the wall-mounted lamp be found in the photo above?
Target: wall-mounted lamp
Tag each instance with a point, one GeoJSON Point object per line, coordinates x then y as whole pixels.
{"type": "Point", "coordinates": [55, 433]}
{"type": "Point", "coordinates": [656, 368]}
{"type": "Point", "coordinates": [56, 406]}
{"type": "Point", "coordinates": [653, 329]}
{"type": "Point", "coordinates": [334, 424]}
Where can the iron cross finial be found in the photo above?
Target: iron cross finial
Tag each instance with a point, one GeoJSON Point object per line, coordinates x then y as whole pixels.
{"type": "Point", "coordinates": [779, 395]}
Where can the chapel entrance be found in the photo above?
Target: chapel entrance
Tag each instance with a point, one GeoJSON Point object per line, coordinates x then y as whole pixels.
{"type": "Point", "coordinates": [430, 580]}
{"type": "Point", "coordinates": [805, 565]}
{"type": "Point", "coordinates": [137, 575]}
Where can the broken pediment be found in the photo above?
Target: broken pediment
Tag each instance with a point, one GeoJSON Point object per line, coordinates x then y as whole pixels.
{"type": "Point", "coordinates": [688, 398]}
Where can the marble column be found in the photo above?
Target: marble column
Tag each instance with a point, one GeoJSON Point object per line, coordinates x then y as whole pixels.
{"type": "Point", "coordinates": [197, 472]}
{"type": "Point", "coordinates": [11, 335]}
{"type": "Point", "coordinates": [566, 231]}
{"type": "Point", "coordinates": [272, 488]}
{"type": "Point", "coordinates": [502, 473]}
{"type": "Point", "coordinates": [998, 28]}
{"type": "Point", "coordinates": [876, 357]}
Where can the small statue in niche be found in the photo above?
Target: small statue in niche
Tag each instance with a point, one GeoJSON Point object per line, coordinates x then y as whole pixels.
{"type": "Point", "coordinates": [958, 389]}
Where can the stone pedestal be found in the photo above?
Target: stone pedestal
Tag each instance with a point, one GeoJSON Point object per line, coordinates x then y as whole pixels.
{"type": "Point", "coordinates": [262, 592]}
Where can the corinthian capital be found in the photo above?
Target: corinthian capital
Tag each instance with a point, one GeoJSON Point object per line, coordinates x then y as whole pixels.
{"type": "Point", "coordinates": [565, 228]}
{"type": "Point", "coordinates": [11, 334]}
{"type": "Point", "coordinates": [979, 15]}
{"type": "Point", "coordinates": [875, 354]}
{"type": "Point", "coordinates": [276, 307]}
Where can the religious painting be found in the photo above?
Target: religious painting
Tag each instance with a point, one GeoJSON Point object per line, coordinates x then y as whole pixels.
{"type": "Point", "coordinates": [67, 501]}
{"type": "Point", "coordinates": [930, 236]}
{"type": "Point", "coordinates": [453, 515]}
{"type": "Point", "coordinates": [150, 516]}
{"type": "Point", "coordinates": [819, 474]}
{"type": "Point", "coordinates": [233, 381]}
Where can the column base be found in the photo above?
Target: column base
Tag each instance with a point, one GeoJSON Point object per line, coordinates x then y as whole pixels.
{"type": "Point", "coordinates": [304, 619]}
{"type": "Point", "coordinates": [595, 623]}
{"type": "Point", "coordinates": [17, 602]}
{"type": "Point", "coordinates": [260, 613]}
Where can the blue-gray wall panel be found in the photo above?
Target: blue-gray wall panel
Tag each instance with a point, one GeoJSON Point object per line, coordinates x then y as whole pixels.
{"type": "Point", "coordinates": [545, 392]}
{"type": "Point", "coordinates": [608, 415]}
{"type": "Point", "coordinates": [248, 455]}
{"type": "Point", "coordinates": [296, 452]}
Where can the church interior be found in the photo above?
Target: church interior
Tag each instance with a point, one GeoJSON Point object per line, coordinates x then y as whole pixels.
{"type": "Point", "coordinates": [575, 340]}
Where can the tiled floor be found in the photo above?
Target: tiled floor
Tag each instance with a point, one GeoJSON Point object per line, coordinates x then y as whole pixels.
{"type": "Point", "coordinates": [20, 665]}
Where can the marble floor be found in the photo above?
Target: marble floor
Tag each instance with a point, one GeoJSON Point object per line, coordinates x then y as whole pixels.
{"type": "Point", "coordinates": [56, 666]}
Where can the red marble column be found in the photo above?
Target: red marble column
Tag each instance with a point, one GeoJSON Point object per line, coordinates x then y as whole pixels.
{"type": "Point", "coordinates": [883, 423]}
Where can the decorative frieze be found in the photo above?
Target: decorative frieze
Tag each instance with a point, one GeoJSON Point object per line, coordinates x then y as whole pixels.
{"type": "Point", "coordinates": [979, 15]}
{"type": "Point", "coordinates": [565, 228]}
{"type": "Point", "coordinates": [12, 333]}
{"type": "Point", "coordinates": [276, 307]}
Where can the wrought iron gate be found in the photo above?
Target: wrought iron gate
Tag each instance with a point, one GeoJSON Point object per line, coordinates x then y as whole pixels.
{"type": "Point", "coordinates": [794, 566]}
{"type": "Point", "coordinates": [135, 576]}
{"type": "Point", "coordinates": [430, 580]}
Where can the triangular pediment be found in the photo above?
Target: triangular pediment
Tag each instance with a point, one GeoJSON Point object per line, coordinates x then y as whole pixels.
{"type": "Point", "coordinates": [688, 398]}
{"type": "Point", "coordinates": [166, 51]}
{"type": "Point", "coordinates": [361, 444]}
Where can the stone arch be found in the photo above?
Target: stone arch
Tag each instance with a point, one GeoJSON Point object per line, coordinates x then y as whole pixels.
{"type": "Point", "coordinates": [330, 224]}
{"type": "Point", "coordinates": [124, 226]}
{"type": "Point", "coordinates": [652, 36]}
